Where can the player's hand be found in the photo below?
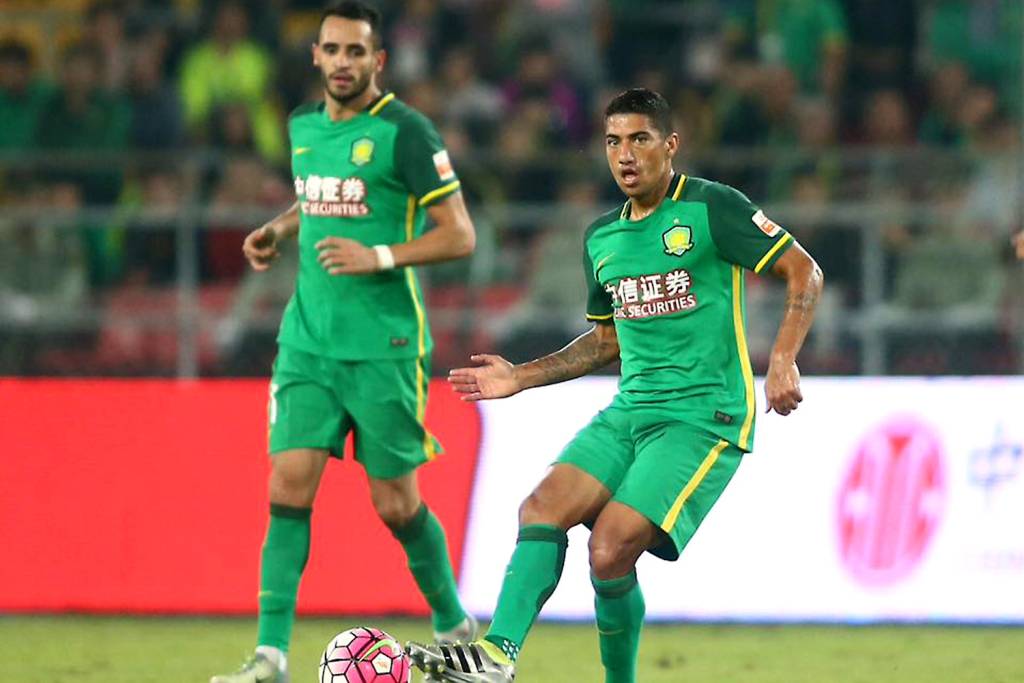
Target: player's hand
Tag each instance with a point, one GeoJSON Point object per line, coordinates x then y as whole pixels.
{"type": "Point", "coordinates": [782, 387]}
{"type": "Point", "coordinates": [493, 377]}
{"type": "Point", "coordinates": [1018, 242]}
{"type": "Point", "coordinates": [342, 256]}
{"type": "Point", "coordinates": [260, 247]}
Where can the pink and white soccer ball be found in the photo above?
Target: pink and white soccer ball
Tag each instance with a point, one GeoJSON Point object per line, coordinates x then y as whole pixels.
{"type": "Point", "coordinates": [364, 655]}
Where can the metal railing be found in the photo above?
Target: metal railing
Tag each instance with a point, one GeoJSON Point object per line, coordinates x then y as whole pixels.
{"type": "Point", "coordinates": [916, 200]}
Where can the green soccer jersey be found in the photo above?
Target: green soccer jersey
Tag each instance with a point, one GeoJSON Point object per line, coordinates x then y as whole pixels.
{"type": "Point", "coordinates": [673, 285]}
{"type": "Point", "coordinates": [369, 179]}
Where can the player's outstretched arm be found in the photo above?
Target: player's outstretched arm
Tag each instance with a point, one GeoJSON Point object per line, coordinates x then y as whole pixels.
{"type": "Point", "coordinates": [804, 281]}
{"type": "Point", "coordinates": [260, 245]}
{"type": "Point", "coordinates": [1018, 243]}
{"type": "Point", "coordinates": [452, 237]}
{"type": "Point", "coordinates": [495, 377]}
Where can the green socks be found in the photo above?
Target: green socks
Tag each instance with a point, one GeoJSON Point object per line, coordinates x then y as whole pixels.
{"type": "Point", "coordinates": [619, 605]}
{"type": "Point", "coordinates": [530, 579]}
{"type": "Point", "coordinates": [285, 552]}
{"type": "Point", "coordinates": [426, 547]}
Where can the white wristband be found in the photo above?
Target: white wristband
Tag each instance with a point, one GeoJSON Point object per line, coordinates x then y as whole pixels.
{"type": "Point", "coordinates": [385, 259]}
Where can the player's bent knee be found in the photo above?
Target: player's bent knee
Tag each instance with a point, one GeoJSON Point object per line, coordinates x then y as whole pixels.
{"type": "Point", "coordinates": [535, 510]}
{"type": "Point", "coordinates": [294, 481]}
{"type": "Point", "coordinates": [395, 513]}
{"type": "Point", "coordinates": [611, 558]}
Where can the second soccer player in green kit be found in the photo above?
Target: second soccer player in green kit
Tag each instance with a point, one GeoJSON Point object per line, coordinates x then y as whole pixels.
{"type": "Point", "coordinates": [354, 344]}
{"type": "Point", "coordinates": [665, 278]}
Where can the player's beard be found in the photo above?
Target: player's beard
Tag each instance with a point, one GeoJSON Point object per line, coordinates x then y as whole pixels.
{"type": "Point", "coordinates": [359, 86]}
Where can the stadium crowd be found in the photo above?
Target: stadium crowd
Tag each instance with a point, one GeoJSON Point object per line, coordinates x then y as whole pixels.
{"type": "Point", "coordinates": [142, 139]}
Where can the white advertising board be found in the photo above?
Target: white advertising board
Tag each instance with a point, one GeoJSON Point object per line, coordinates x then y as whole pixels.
{"type": "Point", "coordinates": [878, 500]}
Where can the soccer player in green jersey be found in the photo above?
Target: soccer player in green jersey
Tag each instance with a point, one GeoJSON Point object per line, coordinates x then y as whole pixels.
{"type": "Point", "coordinates": [665, 279]}
{"type": "Point", "coordinates": [354, 344]}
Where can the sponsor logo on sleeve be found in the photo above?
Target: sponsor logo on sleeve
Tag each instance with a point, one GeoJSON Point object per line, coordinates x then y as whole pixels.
{"type": "Point", "coordinates": [765, 224]}
{"type": "Point", "coordinates": [443, 164]}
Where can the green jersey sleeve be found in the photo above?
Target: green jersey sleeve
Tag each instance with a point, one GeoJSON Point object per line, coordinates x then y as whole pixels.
{"type": "Point", "coordinates": [599, 301]}
{"type": "Point", "coordinates": [742, 233]}
{"type": "Point", "coordinates": [422, 162]}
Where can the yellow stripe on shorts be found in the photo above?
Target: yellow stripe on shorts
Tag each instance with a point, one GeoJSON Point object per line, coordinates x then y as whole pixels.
{"type": "Point", "coordinates": [691, 486]}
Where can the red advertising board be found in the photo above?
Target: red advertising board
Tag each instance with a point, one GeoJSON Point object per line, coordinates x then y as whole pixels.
{"type": "Point", "coordinates": [149, 496]}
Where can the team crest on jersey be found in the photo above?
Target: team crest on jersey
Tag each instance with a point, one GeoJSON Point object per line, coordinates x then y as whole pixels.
{"type": "Point", "coordinates": [362, 151]}
{"type": "Point", "coordinates": [678, 240]}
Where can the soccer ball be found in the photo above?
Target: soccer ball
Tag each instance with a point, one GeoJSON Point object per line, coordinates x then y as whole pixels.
{"type": "Point", "coordinates": [364, 655]}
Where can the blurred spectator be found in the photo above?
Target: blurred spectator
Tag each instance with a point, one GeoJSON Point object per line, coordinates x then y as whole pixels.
{"type": "Point", "coordinates": [229, 68]}
{"type": "Point", "coordinates": [42, 268]}
{"type": "Point", "coordinates": [882, 39]}
{"type": "Point", "coordinates": [105, 29]}
{"type": "Point", "coordinates": [993, 186]}
{"type": "Point", "coordinates": [756, 106]}
{"type": "Point", "coordinates": [809, 37]}
{"type": "Point", "coordinates": [82, 116]}
{"type": "Point", "coordinates": [887, 121]}
{"type": "Point", "coordinates": [539, 80]}
{"type": "Point", "coordinates": [984, 35]}
{"type": "Point", "coordinates": [426, 97]}
{"type": "Point", "coordinates": [43, 283]}
{"type": "Point", "coordinates": [412, 41]}
{"type": "Point", "coordinates": [23, 96]}
{"type": "Point", "coordinates": [246, 184]}
{"type": "Point", "coordinates": [156, 108]}
{"type": "Point", "coordinates": [947, 87]}
{"type": "Point", "coordinates": [525, 175]}
{"type": "Point", "coordinates": [265, 17]}
{"type": "Point", "coordinates": [552, 310]}
{"type": "Point", "coordinates": [151, 241]}
{"type": "Point", "coordinates": [638, 33]}
{"type": "Point", "coordinates": [231, 129]}
{"type": "Point", "coordinates": [415, 36]}
{"type": "Point", "coordinates": [952, 270]}
{"type": "Point", "coordinates": [815, 153]}
{"type": "Point", "coordinates": [469, 101]}
{"type": "Point", "coordinates": [570, 26]}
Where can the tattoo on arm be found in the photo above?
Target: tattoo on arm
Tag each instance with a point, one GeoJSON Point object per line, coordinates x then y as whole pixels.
{"type": "Point", "coordinates": [586, 353]}
{"type": "Point", "coordinates": [801, 302]}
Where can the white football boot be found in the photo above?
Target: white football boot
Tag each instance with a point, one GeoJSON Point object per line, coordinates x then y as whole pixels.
{"type": "Point", "coordinates": [463, 633]}
{"type": "Point", "coordinates": [256, 669]}
{"type": "Point", "coordinates": [477, 662]}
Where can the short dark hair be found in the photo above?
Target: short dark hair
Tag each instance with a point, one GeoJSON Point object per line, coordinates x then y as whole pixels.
{"type": "Point", "coordinates": [12, 50]}
{"type": "Point", "coordinates": [646, 102]}
{"type": "Point", "coordinates": [357, 11]}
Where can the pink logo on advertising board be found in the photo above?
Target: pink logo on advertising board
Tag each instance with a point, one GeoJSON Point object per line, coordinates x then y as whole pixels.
{"type": "Point", "coordinates": [891, 500]}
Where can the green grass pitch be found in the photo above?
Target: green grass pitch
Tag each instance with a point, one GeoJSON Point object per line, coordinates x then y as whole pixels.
{"type": "Point", "coordinates": [80, 649]}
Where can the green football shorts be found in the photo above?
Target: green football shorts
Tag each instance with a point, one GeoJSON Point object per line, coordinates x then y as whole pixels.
{"type": "Point", "coordinates": [670, 472]}
{"type": "Point", "coordinates": [316, 401]}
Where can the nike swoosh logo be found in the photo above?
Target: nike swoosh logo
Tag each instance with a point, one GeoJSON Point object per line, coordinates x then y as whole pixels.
{"type": "Point", "coordinates": [603, 261]}
{"type": "Point", "coordinates": [610, 633]}
{"type": "Point", "coordinates": [387, 642]}
{"type": "Point", "coordinates": [302, 150]}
